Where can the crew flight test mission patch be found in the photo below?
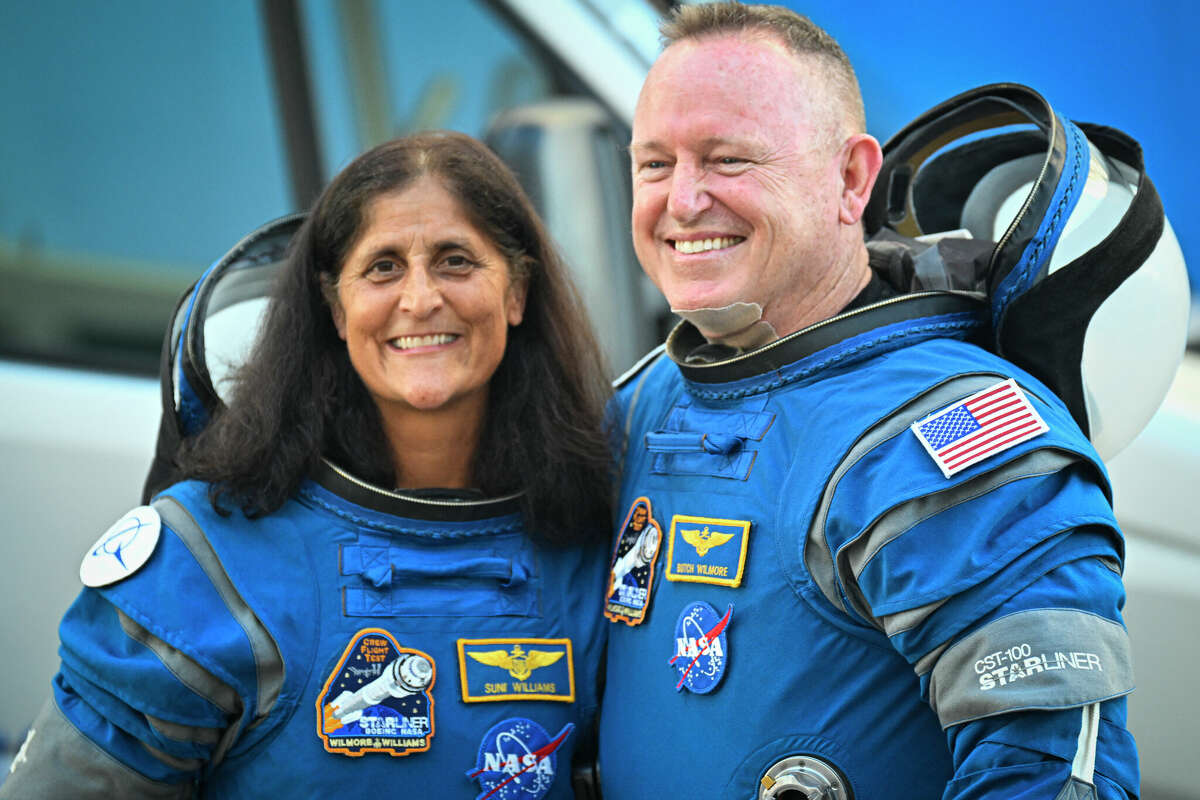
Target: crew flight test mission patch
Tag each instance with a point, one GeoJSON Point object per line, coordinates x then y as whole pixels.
{"type": "Point", "coordinates": [378, 699]}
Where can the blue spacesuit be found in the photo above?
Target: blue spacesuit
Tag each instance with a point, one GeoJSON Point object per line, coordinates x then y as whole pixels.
{"type": "Point", "coordinates": [354, 641]}
{"type": "Point", "coordinates": [871, 583]}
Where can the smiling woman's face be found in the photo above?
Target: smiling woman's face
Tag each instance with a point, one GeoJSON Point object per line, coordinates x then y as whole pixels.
{"type": "Point", "coordinates": [424, 301]}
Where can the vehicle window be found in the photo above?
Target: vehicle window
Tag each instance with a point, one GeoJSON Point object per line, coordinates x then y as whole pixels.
{"type": "Point", "coordinates": [144, 139]}
{"type": "Point", "coordinates": [140, 141]}
{"type": "Point", "coordinates": [395, 68]}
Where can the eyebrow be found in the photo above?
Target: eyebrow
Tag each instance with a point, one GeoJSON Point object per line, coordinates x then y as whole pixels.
{"type": "Point", "coordinates": [440, 246]}
{"type": "Point", "coordinates": [708, 143]}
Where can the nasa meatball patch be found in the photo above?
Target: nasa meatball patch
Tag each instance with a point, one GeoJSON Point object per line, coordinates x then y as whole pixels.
{"type": "Point", "coordinates": [701, 652]}
{"type": "Point", "coordinates": [378, 699]}
{"type": "Point", "coordinates": [631, 576]}
{"type": "Point", "coordinates": [122, 549]}
{"type": "Point", "coordinates": [517, 760]}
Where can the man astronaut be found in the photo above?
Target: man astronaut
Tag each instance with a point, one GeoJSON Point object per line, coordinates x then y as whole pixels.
{"type": "Point", "coordinates": [889, 626]}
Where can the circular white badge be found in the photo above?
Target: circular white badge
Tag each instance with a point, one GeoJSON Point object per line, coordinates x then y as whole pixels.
{"type": "Point", "coordinates": [122, 549]}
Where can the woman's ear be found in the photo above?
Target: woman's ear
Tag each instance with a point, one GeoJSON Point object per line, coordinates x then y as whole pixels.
{"type": "Point", "coordinates": [330, 293]}
{"type": "Point", "coordinates": [515, 301]}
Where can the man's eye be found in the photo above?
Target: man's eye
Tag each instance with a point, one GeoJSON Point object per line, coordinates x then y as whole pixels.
{"type": "Point", "coordinates": [728, 160]}
{"type": "Point", "coordinates": [655, 164]}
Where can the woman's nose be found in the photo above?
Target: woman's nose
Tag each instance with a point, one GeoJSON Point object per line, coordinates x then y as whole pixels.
{"type": "Point", "coordinates": [420, 294]}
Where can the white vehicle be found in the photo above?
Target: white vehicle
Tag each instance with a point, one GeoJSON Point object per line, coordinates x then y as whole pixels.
{"type": "Point", "coordinates": [187, 142]}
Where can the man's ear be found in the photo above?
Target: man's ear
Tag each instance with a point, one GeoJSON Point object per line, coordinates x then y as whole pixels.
{"type": "Point", "coordinates": [861, 160]}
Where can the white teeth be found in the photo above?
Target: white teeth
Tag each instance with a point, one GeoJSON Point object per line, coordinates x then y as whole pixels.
{"type": "Point", "coordinates": [703, 245]}
{"type": "Point", "coordinates": [409, 342]}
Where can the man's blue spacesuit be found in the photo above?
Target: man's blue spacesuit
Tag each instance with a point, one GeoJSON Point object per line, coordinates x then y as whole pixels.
{"type": "Point", "coordinates": [356, 641]}
{"type": "Point", "coordinates": [829, 614]}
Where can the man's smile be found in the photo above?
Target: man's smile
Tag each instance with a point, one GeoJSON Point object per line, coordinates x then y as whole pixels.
{"type": "Point", "coordinates": [689, 246]}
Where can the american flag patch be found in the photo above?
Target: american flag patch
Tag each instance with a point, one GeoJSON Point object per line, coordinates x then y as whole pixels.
{"type": "Point", "coordinates": [980, 426]}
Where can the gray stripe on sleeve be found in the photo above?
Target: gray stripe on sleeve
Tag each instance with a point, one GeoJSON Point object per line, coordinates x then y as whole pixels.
{"type": "Point", "coordinates": [1039, 659]}
{"type": "Point", "coordinates": [926, 662]}
{"type": "Point", "coordinates": [184, 733]}
{"type": "Point", "coordinates": [817, 556]}
{"type": "Point", "coordinates": [267, 659]}
{"type": "Point", "coordinates": [854, 557]}
{"type": "Point", "coordinates": [189, 673]}
{"type": "Point", "coordinates": [181, 764]}
{"type": "Point", "coordinates": [908, 619]}
{"type": "Point", "coordinates": [58, 762]}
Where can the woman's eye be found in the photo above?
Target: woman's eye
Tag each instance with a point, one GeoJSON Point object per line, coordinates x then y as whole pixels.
{"type": "Point", "coordinates": [457, 263]}
{"type": "Point", "coordinates": [382, 270]}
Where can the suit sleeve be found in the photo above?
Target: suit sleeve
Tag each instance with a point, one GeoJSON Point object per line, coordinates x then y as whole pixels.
{"type": "Point", "coordinates": [1001, 587]}
{"type": "Point", "coordinates": [161, 673]}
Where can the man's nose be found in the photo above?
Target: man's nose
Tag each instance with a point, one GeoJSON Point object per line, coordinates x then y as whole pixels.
{"type": "Point", "coordinates": [420, 294]}
{"type": "Point", "coordinates": [689, 193]}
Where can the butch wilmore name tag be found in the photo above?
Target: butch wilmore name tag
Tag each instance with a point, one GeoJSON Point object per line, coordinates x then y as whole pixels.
{"type": "Point", "coordinates": [707, 550]}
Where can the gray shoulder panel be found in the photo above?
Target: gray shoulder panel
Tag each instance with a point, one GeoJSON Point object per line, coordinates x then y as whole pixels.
{"type": "Point", "coordinates": [57, 762]}
{"type": "Point", "coordinates": [267, 657]}
{"type": "Point", "coordinates": [189, 673]}
{"type": "Point", "coordinates": [641, 364]}
{"type": "Point", "coordinates": [1037, 659]}
{"type": "Point", "coordinates": [855, 555]}
{"type": "Point", "coordinates": [817, 556]}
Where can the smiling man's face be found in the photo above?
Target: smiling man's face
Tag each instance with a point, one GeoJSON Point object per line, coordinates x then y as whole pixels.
{"type": "Point", "coordinates": [736, 176]}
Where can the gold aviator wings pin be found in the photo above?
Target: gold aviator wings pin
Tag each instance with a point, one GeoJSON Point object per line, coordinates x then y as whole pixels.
{"type": "Point", "coordinates": [704, 540]}
{"type": "Point", "coordinates": [520, 664]}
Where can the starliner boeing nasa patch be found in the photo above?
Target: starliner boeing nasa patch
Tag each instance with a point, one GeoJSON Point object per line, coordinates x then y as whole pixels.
{"type": "Point", "coordinates": [707, 550]}
{"type": "Point", "coordinates": [982, 425]}
{"type": "Point", "coordinates": [378, 699]}
{"type": "Point", "coordinates": [122, 549]}
{"type": "Point", "coordinates": [517, 760]}
{"type": "Point", "coordinates": [631, 576]}
{"type": "Point", "coordinates": [701, 651]}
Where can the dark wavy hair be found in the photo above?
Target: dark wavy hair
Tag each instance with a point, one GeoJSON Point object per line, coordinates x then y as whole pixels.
{"type": "Point", "coordinates": [298, 398]}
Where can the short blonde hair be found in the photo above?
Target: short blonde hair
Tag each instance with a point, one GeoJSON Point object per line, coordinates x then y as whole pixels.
{"type": "Point", "coordinates": [796, 32]}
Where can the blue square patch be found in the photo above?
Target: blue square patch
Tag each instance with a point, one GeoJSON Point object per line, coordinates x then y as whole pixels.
{"type": "Point", "coordinates": [707, 550]}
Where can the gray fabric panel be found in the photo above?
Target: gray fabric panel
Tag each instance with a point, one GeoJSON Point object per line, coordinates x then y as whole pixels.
{"type": "Point", "coordinates": [905, 620]}
{"type": "Point", "coordinates": [184, 733]}
{"type": "Point", "coordinates": [927, 661]}
{"type": "Point", "coordinates": [267, 658]}
{"type": "Point", "coordinates": [1075, 789]}
{"type": "Point", "coordinates": [189, 673]}
{"type": "Point", "coordinates": [60, 763]}
{"type": "Point", "coordinates": [646, 362]}
{"type": "Point", "coordinates": [181, 764]}
{"type": "Point", "coordinates": [817, 556]}
{"type": "Point", "coordinates": [854, 556]}
{"type": "Point", "coordinates": [1045, 658]}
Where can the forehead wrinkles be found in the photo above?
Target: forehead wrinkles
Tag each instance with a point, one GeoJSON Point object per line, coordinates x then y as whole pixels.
{"type": "Point", "coordinates": [753, 79]}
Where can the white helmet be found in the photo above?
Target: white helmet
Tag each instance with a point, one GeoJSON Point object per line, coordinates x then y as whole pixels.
{"type": "Point", "coordinates": [1086, 284]}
